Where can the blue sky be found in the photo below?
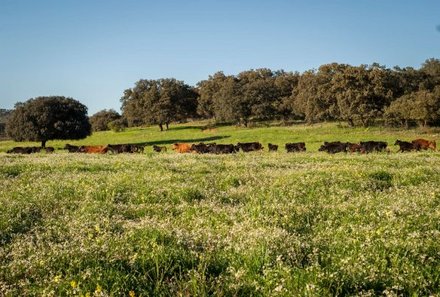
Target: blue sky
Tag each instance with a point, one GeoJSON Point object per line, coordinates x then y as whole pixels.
{"type": "Point", "coordinates": [92, 50]}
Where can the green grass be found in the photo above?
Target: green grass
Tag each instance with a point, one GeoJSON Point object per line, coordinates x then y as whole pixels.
{"type": "Point", "coordinates": [257, 224]}
{"type": "Point", "coordinates": [313, 135]}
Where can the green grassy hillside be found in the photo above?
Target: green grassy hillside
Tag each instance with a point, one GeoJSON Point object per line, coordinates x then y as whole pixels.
{"type": "Point", "coordinates": [256, 224]}
{"type": "Point", "coordinates": [194, 132]}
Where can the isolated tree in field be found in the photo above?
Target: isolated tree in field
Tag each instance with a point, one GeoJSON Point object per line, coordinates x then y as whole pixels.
{"type": "Point", "coordinates": [101, 119]}
{"type": "Point", "coordinates": [47, 118]}
{"type": "Point", "coordinates": [159, 102]}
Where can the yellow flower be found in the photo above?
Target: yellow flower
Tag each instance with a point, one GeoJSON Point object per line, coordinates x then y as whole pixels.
{"type": "Point", "coordinates": [98, 289]}
{"type": "Point", "coordinates": [74, 284]}
{"type": "Point", "coordinates": [131, 294]}
{"type": "Point", "coordinates": [57, 278]}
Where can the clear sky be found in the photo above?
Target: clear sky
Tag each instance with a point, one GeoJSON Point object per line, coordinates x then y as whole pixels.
{"type": "Point", "coordinates": [92, 50]}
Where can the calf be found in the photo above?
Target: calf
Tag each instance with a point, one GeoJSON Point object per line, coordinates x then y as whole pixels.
{"type": "Point", "coordinates": [272, 147]}
{"type": "Point", "coordinates": [249, 146]}
{"type": "Point", "coordinates": [423, 144]}
{"type": "Point", "coordinates": [295, 147]}
{"type": "Point", "coordinates": [405, 146]}
{"type": "Point", "coordinates": [49, 149]}
{"type": "Point", "coordinates": [159, 149]}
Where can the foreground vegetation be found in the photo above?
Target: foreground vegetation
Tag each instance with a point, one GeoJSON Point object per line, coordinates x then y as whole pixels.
{"type": "Point", "coordinates": [263, 224]}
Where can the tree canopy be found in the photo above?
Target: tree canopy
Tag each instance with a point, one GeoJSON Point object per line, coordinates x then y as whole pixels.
{"type": "Point", "coordinates": [100, 121]}
{"type": "Point", "coordinates": [159, 102]}
{"type": "Point", "coordinates": [47, 118]}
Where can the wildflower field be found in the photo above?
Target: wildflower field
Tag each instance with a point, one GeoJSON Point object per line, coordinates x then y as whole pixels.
{"type": "Point", "coordinates": [256, 224]}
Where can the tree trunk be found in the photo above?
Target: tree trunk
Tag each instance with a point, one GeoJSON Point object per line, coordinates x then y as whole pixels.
{"type": "Point", "coordinates": [167, 125]}
{"type": "Point", "coordinates": [43, 143]}
{"type": "Point", "coordinates": [350, 122]}
{"type": "Point", "coordinates": [161, 127]}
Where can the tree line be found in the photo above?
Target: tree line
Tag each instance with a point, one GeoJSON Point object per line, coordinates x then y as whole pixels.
{"type": "Point", "coordinates": [358, 95]}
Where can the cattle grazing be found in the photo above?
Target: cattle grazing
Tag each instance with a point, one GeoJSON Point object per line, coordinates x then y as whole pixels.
{"type": "Point", "coordinates": [249, 146]}
{"type": "Point", "coordinates": [72, 148]}
{"type": "Point", "coordinates": [181, 147]}
{"type": "Point", "coordinates": [272, 147]}
{"type": "Point", "coordinates": [423, 144]}
{"type": "Point", "coordinates": [49, 149]}
{"type": "Point", "coordinates": [373, 146]}
{"type": "Point", "coordinates": [334, 147]}
{"type": "Point", "coordinates": [295, 147]}
{"type": "Point", "coordinates": [405, 146]}
{"type": "Point", "coordinates": [93, 149]}
{"type": "Point", "coordinates": [159, 149]}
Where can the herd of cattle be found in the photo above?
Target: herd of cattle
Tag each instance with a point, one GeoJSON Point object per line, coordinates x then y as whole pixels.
{"type": "Point", "coordinates": [213, 148]}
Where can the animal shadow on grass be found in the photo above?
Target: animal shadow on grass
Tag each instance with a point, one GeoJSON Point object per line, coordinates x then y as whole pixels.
{"type": "Point", "coordinates": [178, 128]}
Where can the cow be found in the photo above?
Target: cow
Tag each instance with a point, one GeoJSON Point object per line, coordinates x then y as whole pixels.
{"type": "Point", "coordinates": [423, 144]}
{"type": "Point", "coordinates": [373, 146]}
{"type": "Point", "coordinates": [201, 148]}
{"type": "Point", "coordinates": [159, 149]}
{"type": "Point", "coordinates": [249, 146]}
{"type": "Point", "coordinates": [181, 147]}
{"type": "Point", "coordinates": [222, 149]}
{"type": "Point", "coordinates": [334, 147]}
{"type": "Point", "coordinates": [295, 147]}
{"type": "Point", "coordinates": [72, 148]}
{"type": "Point", "coordinates": [93, 149]}
{"type": "Point", "coordinates": [405, 146]}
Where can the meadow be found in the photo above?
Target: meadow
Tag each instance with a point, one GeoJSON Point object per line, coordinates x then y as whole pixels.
{"type": "Point", "coordinates": [256, 224]}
